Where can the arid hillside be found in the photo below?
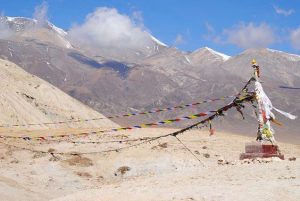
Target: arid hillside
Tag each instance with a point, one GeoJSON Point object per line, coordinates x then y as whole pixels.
{"type": "Point", "coordinates": [26, 99]}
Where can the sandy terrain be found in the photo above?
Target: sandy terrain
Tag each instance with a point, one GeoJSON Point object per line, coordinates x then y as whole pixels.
{"type": "Point", "coordinates": [25, 98]}
{"type": "Point", "coordinates": [162, 170]}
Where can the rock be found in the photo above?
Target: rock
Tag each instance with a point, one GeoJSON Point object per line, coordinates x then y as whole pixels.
{"type": "Point", "coordinates": [160, 146]}
{"type": "Point", "coordinates": [38, 155]}
{"type": "Point", "coordinates": [221, 160]}
{"type": "Point", "coordinates": [123, 170]}
{"type": "Point", "coordinates": [292, 158]}
{"type": "Point", "coordinates": [83, 174]}
{"type": "Point", "coordinates": [51, 150]}
{"type": "Point", "coordinates": [163, 145]}
{"type": "Point", "coordinates": [14, 161]}
{"type": "Point", "coordinates": [100, 178]}
{"type": "Point", "coordinates": [267, 160]}
{"type": "Point", "coordinates": [79, 161]}
{"type": "Point", "coordinates": [206, 155]}
{"type": "Point", "coordinates": [247, 161]}
{"type": "Point", "coordinates": [54, 158]}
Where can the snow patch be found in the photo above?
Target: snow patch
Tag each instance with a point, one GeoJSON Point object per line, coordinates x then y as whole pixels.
{"type": "Point", "coordinates": [291, 57]}
{"type": "Point", "coordinates": [223, 56]}
{"type": "Point", "coordinates": [187, 59]}
{"type": "Point", "coordinates": [158, 41]}
{"type": "Point", "coordinates": [12, 19]}
{"type": "Point", "coordinates": [66, 42]}
{"type": "Point", "coordinates": [61, 34]}
{"type": "Point", "coordinates": [271, 50]}
{"type": "Point", "coordinates": [58, 30]}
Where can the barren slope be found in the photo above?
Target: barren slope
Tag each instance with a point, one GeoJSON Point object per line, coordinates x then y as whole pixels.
{"type": "Point", "coordinates": [25, 98]}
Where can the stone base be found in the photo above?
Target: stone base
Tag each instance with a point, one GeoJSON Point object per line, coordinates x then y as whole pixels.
{"type": "Point", "coordinates": [261, 150]}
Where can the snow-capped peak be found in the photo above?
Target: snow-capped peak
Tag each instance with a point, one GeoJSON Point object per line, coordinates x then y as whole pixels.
{"type": "Point", "coordinates": [158, 41]}
{"type": "Point", "coordinates": [13, 19]}
{"type": "Point", "coordinates": [278, 51]}
{"type": "Point", "coordinates": [19, 21]}
{"type": "Point", "coordinates": [292, 57]}
{"type": "Point", "coordinates": [10, 19]}
{"type": "Point", "coordinates": [224, 57]}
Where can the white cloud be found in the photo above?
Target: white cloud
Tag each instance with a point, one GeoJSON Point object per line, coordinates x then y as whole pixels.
{"type": "Point", "coordinates": [295, 38]}
{"type": "Point", "coordinates": [5, 31]}
{"type": "Point", "coordinates": [281, 11]}
{"type": "Point", "coordinates": [40, 13]}
{"type": "Point", "coordinates": [137, 17]}
{"type": "Point", "coordinates": [250, 35]}
{"type": "Point", "coordinates": [210, 31]}
{"type": "Point", "coordinates": [211, 34]}
{"type": "Point", "coordinates": [107, 28]}
{"type": "Point", "coordinates": [179, 40]}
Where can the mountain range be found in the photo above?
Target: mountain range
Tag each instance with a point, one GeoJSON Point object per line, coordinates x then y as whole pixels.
{"type": "Point", "coordinates": [114, 80]}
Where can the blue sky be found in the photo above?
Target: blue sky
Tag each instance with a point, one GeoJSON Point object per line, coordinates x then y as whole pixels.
{"type": "Point", "coordinates": [226, 26]}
